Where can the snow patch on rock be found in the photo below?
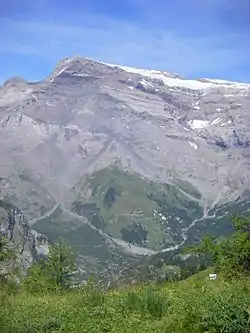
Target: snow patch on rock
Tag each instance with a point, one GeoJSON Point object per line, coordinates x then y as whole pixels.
{"type": "Point", "coordinates": [198, 124]}
{"type": "Point", "coordinates": [57, 73]}
{"type": "Point", "coordinates": [145, 83]}
{"type": "Point", "coordinates": [193, 145]}
{"type": "Point", "coordinates": [231, 84]}
{"type": "Point", "coordinates": [216, 121]}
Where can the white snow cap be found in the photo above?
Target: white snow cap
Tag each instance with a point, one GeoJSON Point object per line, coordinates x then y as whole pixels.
{"type": "Point", "coordinates": [179, 82]}
{"type": "Point", "coordinates": [168, 81]}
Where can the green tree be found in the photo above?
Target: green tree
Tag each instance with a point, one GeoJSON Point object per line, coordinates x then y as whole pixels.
{"type": "Point", "coordinates": [5, 252]}
{"type": "Point", "coordinates": [232, 255]}
{"type": "Point", "coordinates": [56, 271]}
{"type": "Point", "coordinates": [60, 264]}
{"type": "Point", "coordinates": [207, 249]}
{"type": "Point", "coordinates": [235, 252]}
{"type": "Point", "coordinates": [37, 280]}
{"type": "Point", "coordinates": [7, 256]}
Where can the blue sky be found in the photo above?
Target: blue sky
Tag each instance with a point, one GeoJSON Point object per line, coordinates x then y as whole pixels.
{"type": "Point", "coordinates": [195, 38]}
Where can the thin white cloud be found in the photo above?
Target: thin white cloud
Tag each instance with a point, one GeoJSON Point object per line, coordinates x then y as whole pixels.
{"type": "Point", "coordinates": [126, 43]}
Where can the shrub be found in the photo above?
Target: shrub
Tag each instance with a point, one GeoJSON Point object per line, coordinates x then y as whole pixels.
{"type": "Point", "coordinates": [147, 301]}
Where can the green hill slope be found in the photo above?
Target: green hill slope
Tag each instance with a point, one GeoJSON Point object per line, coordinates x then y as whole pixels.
{"type": "Point", "coordinates": [135, 209]}
{"type": "Point", "coordinates": [196, 305]}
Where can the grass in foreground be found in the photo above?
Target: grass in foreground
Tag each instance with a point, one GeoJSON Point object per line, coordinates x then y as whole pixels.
{"type": "Point", "coordinates": [195, 305]}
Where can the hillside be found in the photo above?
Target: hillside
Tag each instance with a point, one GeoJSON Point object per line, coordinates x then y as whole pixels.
{"type": "Point", "coordinates": [196, 305]}
{"type": "Point", "coordinates": [49, 298]}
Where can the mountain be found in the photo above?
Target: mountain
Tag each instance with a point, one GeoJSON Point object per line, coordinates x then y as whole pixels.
{"type": "Point", "coordinates": [122, 162]}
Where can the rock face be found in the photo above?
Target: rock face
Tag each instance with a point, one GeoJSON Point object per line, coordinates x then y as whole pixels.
{"type": "Point", "coordinates": [29, 244]}
{"type": "Point", "coordinates": [88, 115]}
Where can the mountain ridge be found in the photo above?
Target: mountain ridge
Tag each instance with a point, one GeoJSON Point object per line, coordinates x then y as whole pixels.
{"type": "Point", "coordinates": [152, 72]}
